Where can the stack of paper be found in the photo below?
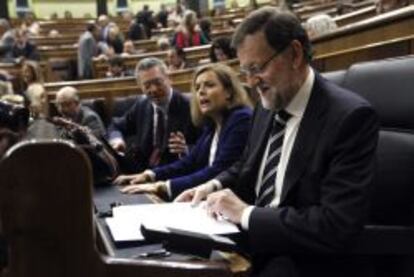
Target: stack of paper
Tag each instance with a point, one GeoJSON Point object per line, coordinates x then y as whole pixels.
{"type": "Point", "coordinates": [126, 221]}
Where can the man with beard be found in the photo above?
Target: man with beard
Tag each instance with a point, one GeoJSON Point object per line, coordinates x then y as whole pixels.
{"type": "Point", "coordinates": [301, 189]}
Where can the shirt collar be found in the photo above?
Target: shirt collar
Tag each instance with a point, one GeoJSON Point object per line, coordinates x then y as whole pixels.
{"type": "Point", "coordinates": [299, 102]}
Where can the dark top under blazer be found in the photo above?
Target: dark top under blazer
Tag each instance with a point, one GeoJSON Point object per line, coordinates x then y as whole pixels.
{"type": "Point", "coordinates": [193, 169]}
{"type": "Point", "coordinates": [138, 122]}
{"type": "Point", "coordinates": [325, 195]}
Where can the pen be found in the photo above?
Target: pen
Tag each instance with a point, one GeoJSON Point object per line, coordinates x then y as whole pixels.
{"type": "Point", "coordinates": [161, 253]}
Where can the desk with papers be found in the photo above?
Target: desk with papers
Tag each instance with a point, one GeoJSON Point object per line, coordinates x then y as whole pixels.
{"type": "Point", "coordinates": [123, 214]}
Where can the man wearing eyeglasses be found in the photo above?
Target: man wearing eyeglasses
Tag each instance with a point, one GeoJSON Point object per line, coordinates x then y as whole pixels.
{"type": "Point", "coordinates": [300, 191]}
{"type": "Point", "coordinates": [159, 121]}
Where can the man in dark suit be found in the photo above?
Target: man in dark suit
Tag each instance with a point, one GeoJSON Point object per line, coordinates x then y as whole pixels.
{"type": "Point", "coordinates": [159, 120]}
{"type": "Point", "coordinates": [301, 189]}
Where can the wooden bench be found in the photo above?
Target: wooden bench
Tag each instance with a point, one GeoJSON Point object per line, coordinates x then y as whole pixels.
{"type": "Point", "coordinates": [193, 54]}
{"type": "Point", "coordinates": [380, 50]}
{"type": "Point", "coordinates": [355, 16]}
{"type": "Point", "coordinates": [391, 25]}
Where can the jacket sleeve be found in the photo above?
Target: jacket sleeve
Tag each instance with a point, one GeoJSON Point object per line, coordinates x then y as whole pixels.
{"type": "Point", "coordinates": [230, 146]}
{"type": "Point", "coordinates": [329, 224]}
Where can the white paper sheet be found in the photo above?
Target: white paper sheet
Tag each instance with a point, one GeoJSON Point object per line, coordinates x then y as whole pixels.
{"type": "Point", "coordinates": [181, 216]}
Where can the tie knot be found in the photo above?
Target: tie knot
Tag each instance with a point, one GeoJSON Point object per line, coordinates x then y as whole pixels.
{"type": "Point", "coordinates": [282, 117]}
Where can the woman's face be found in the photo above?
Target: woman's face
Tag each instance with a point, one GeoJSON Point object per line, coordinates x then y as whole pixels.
{"type": "Point", "coordinates": [27, 74]}
{"type": "Point", "coordinates": [212, 98]}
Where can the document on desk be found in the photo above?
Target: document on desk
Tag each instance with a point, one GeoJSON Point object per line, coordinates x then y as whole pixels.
{"type": "Point", "coordinates": [180, 216]}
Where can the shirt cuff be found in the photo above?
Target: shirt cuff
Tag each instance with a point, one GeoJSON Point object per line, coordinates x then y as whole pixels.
{"type": "Point", "coordinates": [150, 174]}
{"type": "Point", "coordinates": [216, 185]}
{"type": "Point", "coordinates": [168, 188]}
{"type": "Point", "coordinates": [245, 218]}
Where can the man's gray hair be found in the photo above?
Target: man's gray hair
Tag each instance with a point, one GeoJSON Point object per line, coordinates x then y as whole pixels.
{"type": "Point", "coordinates": [149, 63]}
{"type": "Point", "coordinates": [280, 29]}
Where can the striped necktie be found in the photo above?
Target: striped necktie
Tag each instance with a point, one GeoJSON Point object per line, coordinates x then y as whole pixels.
{"type": "Point", "coordinates": [267, 186]}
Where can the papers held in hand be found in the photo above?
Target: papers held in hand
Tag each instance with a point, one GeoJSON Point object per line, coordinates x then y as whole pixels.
{"type": "Point", "coordinates": [127, 220]}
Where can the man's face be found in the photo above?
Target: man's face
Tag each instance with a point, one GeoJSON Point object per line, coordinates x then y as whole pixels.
{"type": "Point", "coordinates": [155, 85]}
{"type": "Point", "coordinates": [68, 107]}
{"type": "Point", "coordinates": [275, 81]}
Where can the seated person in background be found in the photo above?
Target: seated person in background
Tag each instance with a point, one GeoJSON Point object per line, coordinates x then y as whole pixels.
{"type": "Point", "coordinates": [136, 31]}
{"type": "Point", "coordinates": [14, 120]}
{"type": "Point", "coordinates": [115, 42]}
{"type": "Point", "coordinates": [384, 6]}
{"type": "Point", "coordinates": [205, 27]}
{"type": "Point", "coordinates": [23, 48]}
{"type": "Point", "coordinates": [163, 43]}
{"type": "Point", "coordinates": [6, 87]}
{"type": "Point", "coordinates": [30, 24]}
{"type": "Point", "coordinates": [221, 50]}
{"type": "Point", "coordinates": [176, 59]}
{"type": "Point", "coordinates": [67, 15]}
{"type": "Point", "coordinates": [117, 68]}
{"type": "Point", "coordinates": [129, 49]}
{"type": "Point", "coordinates": [188, 33]}
{"type": "Point", "coordinates": [6, 39]}
{"type": "Point", "coordinates": [31, 74]}
{"type": "Point", "coordinates": [162, 17]}
{"type": "Point", "coordinates": [219, 105]}
{"type": "Point", "coordinates": [320, 24]}
{"type": "Point", "coordinates": [69, 106]}
{"type": "Point", "coordinates": [158, 114]}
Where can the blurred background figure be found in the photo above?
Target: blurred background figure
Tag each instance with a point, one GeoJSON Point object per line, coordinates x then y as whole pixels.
{"type": "Point", "coordinates": [7, 38]}
{"type": "Point", "coordinates": [320, 24]}
{"type": "Point", "coordinates": [136, 31]}
{"type": "Point", "coordinates": [31, 74]}
{"type": "Point", "coordinates": [14, 120]}
{"type": "Point", "coordinates": [69, 106]}
{"type": "Point", "coordinates": [67, 15]}
{"type": "Point", "coordinates": [205, 27]}
{"type": "Point", "coordinates": [176, 59]}
{"type": "Point", "coordinates": [221, 50]}
{"type": "Point", "coordinates": [30, 24]}
{"type": "Point", "coordinates": [87, 49]}
{"type": "Point", "coordinates": [384, 6]}
{"type": "Point", "coordinates": [188, 33]}
{"type": "Point", "coordinates": [22, 47]}
{"type": "Point", "coordinates": [129, 48]}
{"type": "Point", "coordinates": [163, 43]}
{"type": "Point", "coordinates": [116, 68]}
{"type": "Point", "coordinates": [162, 16]}
{"type": "Point", "coordinates": [145, 18]}
{"type": "Point", "coordinates": [176, 16]}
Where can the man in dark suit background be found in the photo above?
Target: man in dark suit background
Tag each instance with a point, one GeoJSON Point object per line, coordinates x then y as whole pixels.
{"type": "Point", "coordinates": [160, 119]}
{"type": "Point", "coordinates": [301, 189]}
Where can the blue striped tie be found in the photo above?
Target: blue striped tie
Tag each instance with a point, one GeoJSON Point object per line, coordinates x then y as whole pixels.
{"type": "Point", "coordinates": [267, 187]}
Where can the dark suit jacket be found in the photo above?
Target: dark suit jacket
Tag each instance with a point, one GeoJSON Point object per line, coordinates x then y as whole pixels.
{"type": "Point", "coordinates": [193, 169]}
{"type": "Point", "coordinates": [325, 195]}
{"type": "Point", "coordinates": [138, 122]}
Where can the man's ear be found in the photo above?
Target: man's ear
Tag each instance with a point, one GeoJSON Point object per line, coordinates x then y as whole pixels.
{"type": "Point", "coordinates": [297, 54]}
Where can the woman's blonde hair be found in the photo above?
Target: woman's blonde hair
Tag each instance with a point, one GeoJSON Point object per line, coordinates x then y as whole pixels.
{"type": "Point", "coordinates": [35, 69]}
{"type": "Point", "coordinates": [230, 82]}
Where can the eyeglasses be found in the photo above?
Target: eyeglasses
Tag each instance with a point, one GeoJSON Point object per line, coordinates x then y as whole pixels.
{"type": "Point", "coordinates": [257, 69]}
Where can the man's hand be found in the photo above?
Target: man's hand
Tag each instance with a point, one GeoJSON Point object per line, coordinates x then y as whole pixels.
{"type": "Point", "coordinates": [118, 145]}
{"type": "Point", "coordinates": [177, 143]}
{"type": "Point", "coordinates": [132, 179]}
{"type": "Point", "coordinates": [225, 203]}
{"type": "Point", "coordinates": [158, 188]}
{"type": "Point", "coordinates": [197, 194]}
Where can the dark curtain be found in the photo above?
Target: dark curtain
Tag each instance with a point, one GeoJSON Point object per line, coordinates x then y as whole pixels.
{"type": "Point", "coordinates": [101, 7]}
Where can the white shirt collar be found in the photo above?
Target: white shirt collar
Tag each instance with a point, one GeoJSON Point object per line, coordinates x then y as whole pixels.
{"type": "Point", "coordinates": [298, 104]}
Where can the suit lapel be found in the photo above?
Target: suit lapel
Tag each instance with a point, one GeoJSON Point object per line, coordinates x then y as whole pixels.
{"type": "Point", "coordinates": [306, 139]}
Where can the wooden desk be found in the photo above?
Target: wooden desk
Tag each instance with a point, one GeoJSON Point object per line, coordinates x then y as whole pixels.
{"type": "Point", "coordinates": [104, 196]}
